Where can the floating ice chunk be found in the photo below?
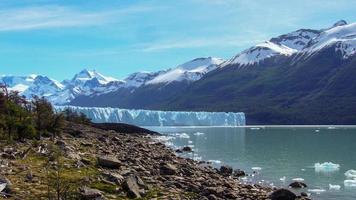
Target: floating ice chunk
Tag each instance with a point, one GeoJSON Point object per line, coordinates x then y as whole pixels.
{"type": "Point", "coordinates": [163, 138]}
{"type": "Point", "coordinates": [317, 191]}
{"type": "Point", "coordinates": [317, 130]}
{"type": "Point", "coordinates": [303, 170]}
{"type": "Point", "coordinates": [334, 187]}
{"type": "Point", "coordinates": [350, 183]}
{"type": "Point", "coordinates": [190, 142]}
{"type": "Point", "coordinates": [255, 128]}
{"type": "Point", "coordinates": [283, 179]}
{"type": "Point", "coordinates": [298, 179]}
{"type": "Point", "coordinates": [256, 168]}
{"type": "Point", "coordinates": [326, 167]}
{"type": "Point", "coordinates": [351, 174]}
{"type": "Point", "coordinates": [199, 133]}
{"type": "Point", "coordinates": [244, 178]}
{"type": "Point", "coordinates": [197, 158]}
{"type": "Point", "coordinates": [183, 135]}
{"type": "Point", "coordinates": [331, 127]}
{"type": "Point", "coordinates": [215, 161]}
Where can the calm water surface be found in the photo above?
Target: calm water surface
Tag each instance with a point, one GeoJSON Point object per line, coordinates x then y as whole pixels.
{"type": "Point", "coordinates": [289, 152]}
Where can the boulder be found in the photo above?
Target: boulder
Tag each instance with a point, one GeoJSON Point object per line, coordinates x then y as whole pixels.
{"type": "Point", "coordinates": [109, 162]}
{"type": "Point", "coordinates": [298, 184]}
{"type": "Point", "coordinates": [90, 194]}
{"type": "Point", "coordinates": [2, 186]}
{"type": "Point", "coordinates": [179, 151]}
{"type": "Point", "coordinates": [282, 194]}
{"type": "Point", "coordinates": [168, 169]}
{"type": "Point", "coordinates": [6, 185]}
{"type": "Point", "coordinates": [239, 173]}
{"type": "Point", "coordinates": [226, 170]}
{"type": "Point", "coordinates": [187, 149]}
{"type": "Point", "coordinates": [303, 194]}
{"type": "Point", "coordinates": [131, 186]}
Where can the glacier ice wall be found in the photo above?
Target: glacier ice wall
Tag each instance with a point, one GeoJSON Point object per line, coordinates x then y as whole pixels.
{"type": "Point", "coordinates": [159, 118]}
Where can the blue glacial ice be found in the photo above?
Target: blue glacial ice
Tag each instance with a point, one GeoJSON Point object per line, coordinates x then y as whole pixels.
{"type": "Point", "coordinates": [159, 118]}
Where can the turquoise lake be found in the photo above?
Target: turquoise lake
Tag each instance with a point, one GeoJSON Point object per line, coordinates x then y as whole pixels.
{"type": "Point", "coordinates": [277, 154]}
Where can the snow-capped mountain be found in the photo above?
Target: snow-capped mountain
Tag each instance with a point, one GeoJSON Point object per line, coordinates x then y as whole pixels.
{"type": "Point", "coordinates": [154, 89]}
{"type": "Point", "coordinates": [32, 85]}
{"type": "Point", "coordinates": [86, 75]}
{"type": "Point", "coordinates": [302, 42]}
{"type": "Point", "coordinates": [341, 35]}
{"type": "Point", "coordinates": [140, 78]}
{"type": "Point", "coordinates": [86, 82]}
{"type": "Point", "coordinates": [189, 71]}
{"type": "Point", "coordinates": [91, 82]}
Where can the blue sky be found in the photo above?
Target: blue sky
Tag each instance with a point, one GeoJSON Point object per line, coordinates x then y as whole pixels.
{"type": "Point", "coordinates": [59, 38]}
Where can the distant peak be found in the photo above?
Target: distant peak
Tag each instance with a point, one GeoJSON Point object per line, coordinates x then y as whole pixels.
{"type": "Point", "coordinates": [340, 23]}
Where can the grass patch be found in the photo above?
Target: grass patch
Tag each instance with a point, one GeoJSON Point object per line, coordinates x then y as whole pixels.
{"type": "Point", "coordinates": [105, 187]}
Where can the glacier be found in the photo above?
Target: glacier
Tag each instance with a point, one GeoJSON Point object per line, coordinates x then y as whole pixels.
{"type": "Point", "coordinates": [158, 118]}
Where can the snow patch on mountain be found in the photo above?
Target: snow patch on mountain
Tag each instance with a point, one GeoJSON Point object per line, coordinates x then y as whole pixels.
{"type": "Point", "coordinates": [342, 35]}
{"type": "Point", "coordinates": [189, 71]}
{"type": "Point", "coordinates": [261, 52]}
{"type": "Point", "coordinates": [140, 78]}
{"type": "Point", "coordinates": [89, 75]}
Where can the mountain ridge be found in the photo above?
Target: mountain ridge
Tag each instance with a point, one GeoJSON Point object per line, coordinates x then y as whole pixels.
{"type": "Point", "coordinates": [275, 74]}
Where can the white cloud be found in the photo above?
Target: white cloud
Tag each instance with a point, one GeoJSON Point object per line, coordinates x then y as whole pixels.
{"type": "Point", "coordinates": [42, 17]}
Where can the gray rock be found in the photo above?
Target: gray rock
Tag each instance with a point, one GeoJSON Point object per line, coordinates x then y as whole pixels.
{"type": "Point", "coordinates": [109, 162]}
{"type": "Point", "coordinates": [132, 187]}
{"type": "Point", "coordinates": [90, 194]}
{"type": "Point", "coordinates": [168, 169]}
{"type": "Point", "coordinates": [298, 184]}
{"type": "Point", "coordinates": [7, 183]}
{"type": "Point", "coordinates": [187, 149]}
{"type": "Point", "coordinates": [226, 170]}
{"type": "Point", "coordinates": [239, 173]}
{"type": "Point", "coordinates": [2, 186]}
{"type": "Point", "coordinates": [282, 194]}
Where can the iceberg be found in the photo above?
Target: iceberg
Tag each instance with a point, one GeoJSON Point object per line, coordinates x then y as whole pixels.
{"type": "Point", "coordinates": [334, 187]}
{"type": "Point", "coordinates": [256, 168]}
{"type": "Point", "coordinates": [351, 174]}
{"type": "Point", "coordinates": [158, 118]}
{"type": "Point", "coordinates": [350, 183]}
{"type": "Point", "coordinates": [317, 191]}
{"type": "Point", "coordinates": [198, 133]}
{"type": "Point", "coordinates": [326, 167]}
{"type": "Point", "coordinates": [298, 179]}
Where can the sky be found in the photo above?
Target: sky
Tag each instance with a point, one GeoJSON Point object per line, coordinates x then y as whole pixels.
{"type": "Point", "coordinates": [116, 38]}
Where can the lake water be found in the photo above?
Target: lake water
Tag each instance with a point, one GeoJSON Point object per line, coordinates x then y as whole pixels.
{"type": "Point", "coordinates": [278, 154]}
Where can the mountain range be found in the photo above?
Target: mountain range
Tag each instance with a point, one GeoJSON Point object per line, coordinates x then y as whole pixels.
{"type": "Point", "coordinates": [303, 77]}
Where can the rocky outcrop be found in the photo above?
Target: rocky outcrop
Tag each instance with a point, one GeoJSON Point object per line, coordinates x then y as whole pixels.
{"type": "Point", "coordinates": [298, 184]}
{"type": "Point", "coordinates": [282, 194]}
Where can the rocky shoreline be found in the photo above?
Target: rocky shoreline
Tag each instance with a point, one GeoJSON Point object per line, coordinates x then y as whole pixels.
{"type": "Point", "coordinates": [92, 163]}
